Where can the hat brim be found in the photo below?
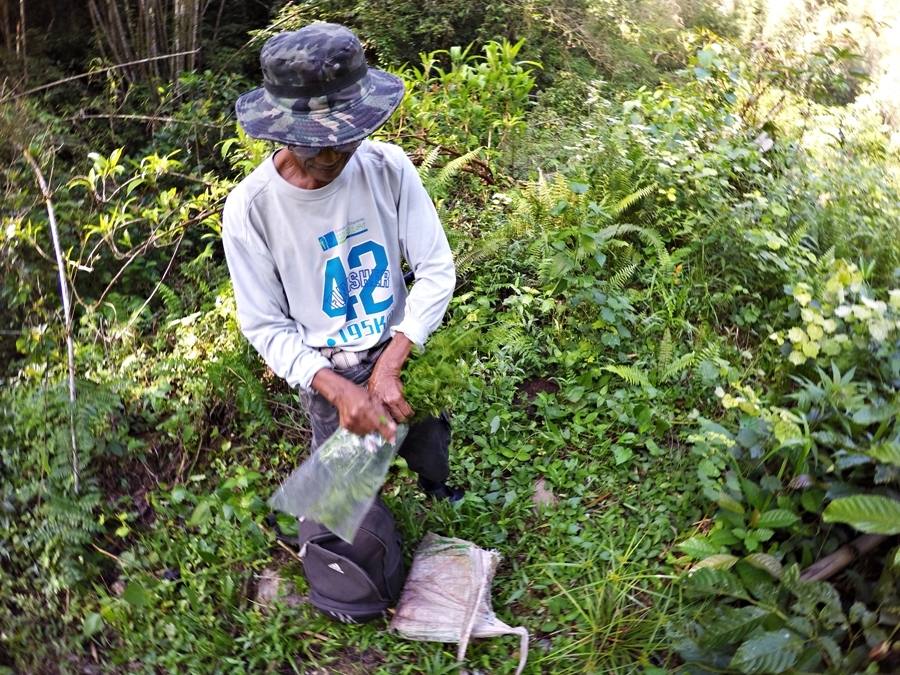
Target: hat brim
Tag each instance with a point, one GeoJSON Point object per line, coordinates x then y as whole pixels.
{"type": "Point", "coordinates": [264, 120]}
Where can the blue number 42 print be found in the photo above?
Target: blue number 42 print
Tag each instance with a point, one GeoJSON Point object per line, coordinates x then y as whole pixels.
{"type": "Point", "coordinates": [337, 301]}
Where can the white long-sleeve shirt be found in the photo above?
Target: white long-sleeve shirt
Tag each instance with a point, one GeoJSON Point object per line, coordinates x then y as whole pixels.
{"type": "Point", "coordinates": [322, 268]}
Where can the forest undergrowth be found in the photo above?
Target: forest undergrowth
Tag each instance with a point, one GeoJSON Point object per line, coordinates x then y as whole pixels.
{"type": "Point", "coordinates": [671, 361]}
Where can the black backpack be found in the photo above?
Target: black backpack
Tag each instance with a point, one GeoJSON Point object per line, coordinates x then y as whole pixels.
{"type": "Point", "coordinates": [354, 582]}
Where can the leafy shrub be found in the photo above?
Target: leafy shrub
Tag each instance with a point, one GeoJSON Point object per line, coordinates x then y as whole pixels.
{"type": "Point", "coordinates": [475, 100]}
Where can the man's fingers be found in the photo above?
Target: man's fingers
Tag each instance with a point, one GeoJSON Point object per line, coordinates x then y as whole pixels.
{"type": "Point", "coordinates": [396, 411]}
{"type": "Point", "coordinates": [387, 428]}
{"type": "Point", "coordinates": [401, 410]}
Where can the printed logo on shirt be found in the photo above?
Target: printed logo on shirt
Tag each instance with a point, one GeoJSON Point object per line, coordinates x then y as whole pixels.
{"type": "Point", "coordinates": [346, 293]}
{"type": "Point", "coordinates": [336, 237]}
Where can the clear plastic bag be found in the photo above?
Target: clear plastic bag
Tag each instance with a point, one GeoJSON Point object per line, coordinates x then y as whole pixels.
{"type": "Point", "coordinates": [447, 596]}
{"type": "Point", "coordinates": [337, 485]}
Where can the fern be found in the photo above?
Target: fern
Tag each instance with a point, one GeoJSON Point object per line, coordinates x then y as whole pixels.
{"type": "Point", "coordinates": [664, 354]}
{"type": "Point", "coordinates": [622, 276]}
{"type": "Point", "coordinates": [629, 200]}
{"type": "Point", "coordinates": [428, 162]}
{"type": "Point", "coordinates": [826, 260]}
{"type": "Point", "coordinates": [710, 352]}
{"type": "Point", "coordinates": [548, 193]}
{"type": "Point", "coordinates": [171, 301]}
{"type": "Point", "coordinates": [438, 184]}
{"type": "Point", "coordinates": [630, 374]}
{"type": "Point", "coordinates": [797, 235]}
{"type": "Point", "coordinates": [449, 171]}
{"type": "Point", "coordinates": [678, 366]}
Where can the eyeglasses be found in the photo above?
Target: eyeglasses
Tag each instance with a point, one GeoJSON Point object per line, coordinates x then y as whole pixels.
{"type": "Point", "coordinates": [308, 153]}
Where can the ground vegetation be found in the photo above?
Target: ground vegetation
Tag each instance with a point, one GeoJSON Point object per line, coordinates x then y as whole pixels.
{"type": "Point", "coordinates": [672, 359]}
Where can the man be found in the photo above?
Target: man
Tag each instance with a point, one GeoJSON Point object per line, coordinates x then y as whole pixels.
{"type": "Point", "coordinates": [315, 239]}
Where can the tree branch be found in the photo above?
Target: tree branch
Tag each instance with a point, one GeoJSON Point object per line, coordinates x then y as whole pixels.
{"type": "Point", "coordinates": [94, 72]}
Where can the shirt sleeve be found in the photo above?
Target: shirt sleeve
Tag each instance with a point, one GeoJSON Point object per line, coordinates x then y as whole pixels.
{"type": "Point", "coordinates": [262, 309]}
{"type": "Point", "coordinates": [425, 248]}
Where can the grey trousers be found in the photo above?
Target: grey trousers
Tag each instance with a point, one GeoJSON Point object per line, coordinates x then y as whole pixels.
{"type": "Point", "coordinates": [426, 448]}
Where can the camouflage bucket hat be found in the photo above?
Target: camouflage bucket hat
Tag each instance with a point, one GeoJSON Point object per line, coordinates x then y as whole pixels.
{"type": "Point", "coordinates": [317, 90]}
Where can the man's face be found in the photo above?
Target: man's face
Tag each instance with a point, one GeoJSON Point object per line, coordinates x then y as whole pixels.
{"type": "Point", "coordinates": [323, 164]}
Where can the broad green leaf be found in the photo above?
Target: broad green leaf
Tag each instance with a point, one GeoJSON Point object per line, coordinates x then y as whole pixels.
{"type": "Point", "coordinates": [179, 494]}
{"type": "Point", "coordinates": [801, 626]}
{"type": "Point", "coordinates": [830, 647]}
{"type": "Point", "coordinates": [92, 624]}
{"type": "Point", "coordinates": [707, 468]}
{"type": "Point", "coordinates": [705, 58]}
{"type": "Point", "coordinates": [621, 454]}
{"type": "Point", "coordinates": [731, 624]}
{"type": "Point", "coordinates": [810, 349]}
{"type": "Point", "coordinates": [560, 206]}
{"type": "Point", "coordinates": [698, 547]}
{"type": "Point", "coordinates": [868, 513]}
{"type": "Point", "coordinates": [771, 652]}
{"type": "Point", "coordinates": [718, 561]}
{"type": "Point", "coordinates": [578, 188]}
{"type": "Point", "coordinates": [495, 424]}
{"type": "Point", "coordinates": [763, 561]}
{"type": "Point", "coordinates": [868, 414]}
{"type": "Point", "coordinates": [712, 581]}
{"type": "Point", "coordinates": [796, 335]}
{"type": "Point", "coordinates": [797, 358]}
{"type": "Point", "coordinates": [763, 533]}
{"type": "Point", "coordinates": [136, 595]}
{"type": "Point", "coordinates": [887, 452]}
{"type": "Point", "coordinates": [729, 503]}
{"type": "Point", "coordinates": [200, 514]}
{"type": "Point", "coordinates": [777, 518]}
{"type": "Point", "coordinates": [816, 598]}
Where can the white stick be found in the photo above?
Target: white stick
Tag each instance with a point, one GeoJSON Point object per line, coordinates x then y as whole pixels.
{"type": "Point", "coordinates": [67, 308]}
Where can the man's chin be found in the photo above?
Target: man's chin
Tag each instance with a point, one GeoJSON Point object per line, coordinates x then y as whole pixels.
{"type": "Point", "coordinates": [328, 175]}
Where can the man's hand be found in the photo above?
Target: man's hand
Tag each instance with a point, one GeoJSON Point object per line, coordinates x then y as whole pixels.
{"type": "Point", "coordinates": [384, 382]}
{"type": "Point", "coordinates": [385, 386]}
{"type": "Point", "coordinates": [358, 410]}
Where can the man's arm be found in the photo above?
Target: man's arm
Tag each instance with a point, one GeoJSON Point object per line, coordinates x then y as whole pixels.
{"type": "Point", "coordinates": [262, 311]}
{"type": "Point", "coordinates": [424, 246]}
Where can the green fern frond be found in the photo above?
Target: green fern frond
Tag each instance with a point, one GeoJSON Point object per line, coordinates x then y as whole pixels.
{"type": "Point", "coordinates": [613, 231]}
{"type": "Point", "coordinates": [630, 200]}
{"type": "Point", "coordinates": [428, 162]}
{"type": "Point", "coordinates": [664, 354]}
{"type": "Point", "coordinates": [710, 352]}
{"type": "Point", "coordinates": [548, 193]}
{"type": "Point", "coordinates": [826, 259]}
{"type": "Point", "coordinates": [797, 235]}
{"type": "Point", "coordinates": [511, 339]}
{"type": "Point", "coordinates": [171, 301]}
{"type": "Point", "coordinates": [678, 366]}
{"type": "Point", "coordinates": [630, 374]}
{"type": "Point", "coordinates": [618, 280]}
{"type": "Point", "coordinates": [652, 238]}
{"type": "Point", "coordinates": [453, 167]}
{"type": "Point", "coordinates": [648, 235]}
